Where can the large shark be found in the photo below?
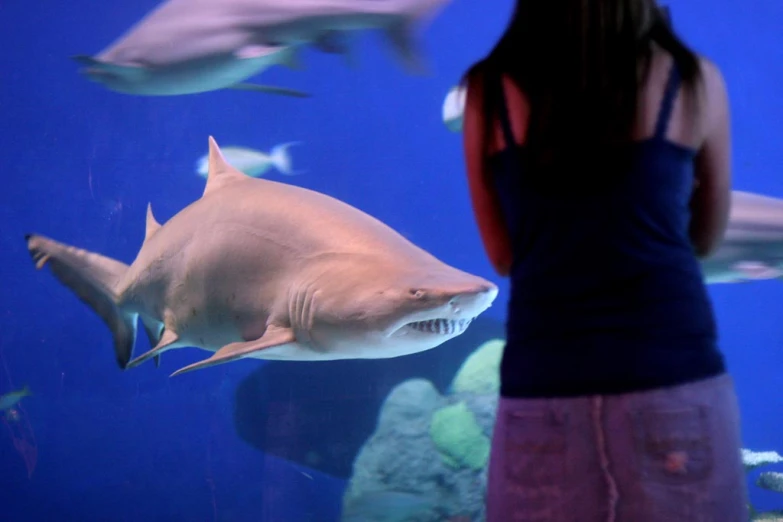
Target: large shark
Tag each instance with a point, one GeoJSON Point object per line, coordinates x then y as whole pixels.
{"type": "Point", "coordinates": [192, 46]}
{"type": "Point", "coordinates": [752, 248]}
{"type": "Point", "coordinates": [256, 268]}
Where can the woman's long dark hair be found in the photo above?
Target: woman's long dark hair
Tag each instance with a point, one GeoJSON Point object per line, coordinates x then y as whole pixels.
{"type": "Point", "coordinates": [581, 64]}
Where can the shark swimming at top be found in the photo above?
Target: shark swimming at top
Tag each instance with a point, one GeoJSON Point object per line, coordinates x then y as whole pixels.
{"type": "Point", "coordinates": [256, 268]}
{"type": "Point", "coordinates": [193, 46]}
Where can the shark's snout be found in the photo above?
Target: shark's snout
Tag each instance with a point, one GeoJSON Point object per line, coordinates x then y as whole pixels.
{"type": "Point", "coordinates": [452, 311]}
{"type": "Point", "coordinates": [476, 300]}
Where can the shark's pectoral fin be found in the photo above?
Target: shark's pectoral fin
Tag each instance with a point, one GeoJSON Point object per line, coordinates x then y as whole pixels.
{"type": "Point", "coordinates": [336, 42]}
{"type": "Point", "coordinates": [402, 38]}
{"type": "Point", "coordinates": [331, 42]}
{"type": "Point", "coordinates": [269, 89]}
{"type": "Point", "coordinates": [154, 331]}
{"type": "Point", "coordinates": [165, 341]}
{"type": "Point", "coordinates": [292, 60]}
{"type": "Point", "coordinates": [273, 336]}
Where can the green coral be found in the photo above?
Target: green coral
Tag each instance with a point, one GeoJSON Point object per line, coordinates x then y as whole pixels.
{"type": "Point", "coordinates": [480, 373]}
{"type": "Point", "coordinates": [459, 438]}
{"type": "Point", "coordinates": [772, 516]}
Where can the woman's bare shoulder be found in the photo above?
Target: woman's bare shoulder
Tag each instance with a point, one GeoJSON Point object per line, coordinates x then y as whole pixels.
{"type": "Point", "coordinates": [712, 94]}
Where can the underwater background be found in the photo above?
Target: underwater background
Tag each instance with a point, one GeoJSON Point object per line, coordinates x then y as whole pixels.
{"type": "Point", "coordinates": [277, 441]}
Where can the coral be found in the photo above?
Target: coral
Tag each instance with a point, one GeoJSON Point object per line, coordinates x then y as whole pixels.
{"type": "Point", "coordinates": [426, 460]}
{"type": "Point", "coordinates": [754, 459]}
{"type": "Point", "coordinates": [459, 438]}
{"type": "Point", "coordinates": [771, 480]}
{"type": "Point", "coordinates": [772, 516]}
{"type": "Point", "coordinates": [401, 459]}
{"type": "Point", "coordinates": [480, 371]}
{"type": "Point", "coordinates": [766, 480]}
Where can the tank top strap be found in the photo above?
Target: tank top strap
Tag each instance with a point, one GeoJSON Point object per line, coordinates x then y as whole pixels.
{"type": "Point", "coordinates": [667, 103]}
{"type": "Point", "coordinates": [505, 120]}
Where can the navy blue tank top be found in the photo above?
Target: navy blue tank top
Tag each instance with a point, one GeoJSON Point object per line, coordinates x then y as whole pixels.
{"type": "Point", "coordinates": [607, 294]}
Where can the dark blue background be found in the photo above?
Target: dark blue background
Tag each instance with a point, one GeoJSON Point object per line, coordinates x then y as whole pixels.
{"type": "Point", "coordinates": [80, 163]}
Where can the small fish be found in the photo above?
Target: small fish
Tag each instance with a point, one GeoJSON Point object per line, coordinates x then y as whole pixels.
{"type": "Point", "coordinates": [454, 108]}
{"type": "Point", "coordinates": [253, 162]}
{"type": "Point", "coordinates": [11, 399]}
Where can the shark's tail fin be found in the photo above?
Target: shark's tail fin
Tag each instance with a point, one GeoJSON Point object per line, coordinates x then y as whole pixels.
{"type": "Point", "coordinates": [94, 279]}
{"type": "Point", "coordinates": [281, 158]}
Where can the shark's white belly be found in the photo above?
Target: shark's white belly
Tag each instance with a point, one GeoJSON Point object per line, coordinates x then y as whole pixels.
{"type": "Point", "coordinates": [303, 352]}
{"type": "Point", "coordinates": [184, 79]}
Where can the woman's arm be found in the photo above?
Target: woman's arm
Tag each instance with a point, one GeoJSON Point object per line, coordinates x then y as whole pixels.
{"type": "Point", "coordinates": [711, 200]}
{"type": "Point", "coordinates": [486, 207]}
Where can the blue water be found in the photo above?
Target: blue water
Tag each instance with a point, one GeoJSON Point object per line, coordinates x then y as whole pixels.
{"type": "Point", "coordinates": [80, 163]}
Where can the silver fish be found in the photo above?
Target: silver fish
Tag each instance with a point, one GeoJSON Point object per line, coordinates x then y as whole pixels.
{"type": "Point", "coordinates": [253, 162]}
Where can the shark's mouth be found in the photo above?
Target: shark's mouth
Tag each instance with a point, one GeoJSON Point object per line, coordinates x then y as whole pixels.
{"type": "Point", "coordinates": [441, 326]}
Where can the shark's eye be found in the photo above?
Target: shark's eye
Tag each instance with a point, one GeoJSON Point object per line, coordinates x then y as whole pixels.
{"type": "Point", "coordinates": [417, 293]}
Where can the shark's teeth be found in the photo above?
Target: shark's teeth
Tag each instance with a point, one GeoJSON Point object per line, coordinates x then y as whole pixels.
{"type": "Point", "coordinates": [441, 326]}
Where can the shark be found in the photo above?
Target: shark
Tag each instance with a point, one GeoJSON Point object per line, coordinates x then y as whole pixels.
{"type": "Point", "coordinates": [194, 46]}
{"type": "Point", "coordinates": [261, 269]}
{"type": "Point", "coordinates": [752, 247]}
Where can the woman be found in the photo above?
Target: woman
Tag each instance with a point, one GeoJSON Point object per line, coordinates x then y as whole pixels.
{"type": "Point", "coordinates": [597, 148]}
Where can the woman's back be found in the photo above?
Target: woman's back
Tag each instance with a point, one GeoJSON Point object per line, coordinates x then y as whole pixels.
{"type": "Point", "coordinates": [607, 294]}
{"type": "Point", "coordinates": [599, 173]}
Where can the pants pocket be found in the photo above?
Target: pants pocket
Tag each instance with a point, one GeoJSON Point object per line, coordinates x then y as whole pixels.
{"type": "Point", "coordinates": [675, 445]}
{"type": "Point", "coordinates": [675, 453]}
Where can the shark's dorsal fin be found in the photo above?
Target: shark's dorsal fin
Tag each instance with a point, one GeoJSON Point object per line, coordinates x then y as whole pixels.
{"type": "Point", "coordinates": [152, 223]}
{"type": "Point", "coordinates": [220, 173]}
